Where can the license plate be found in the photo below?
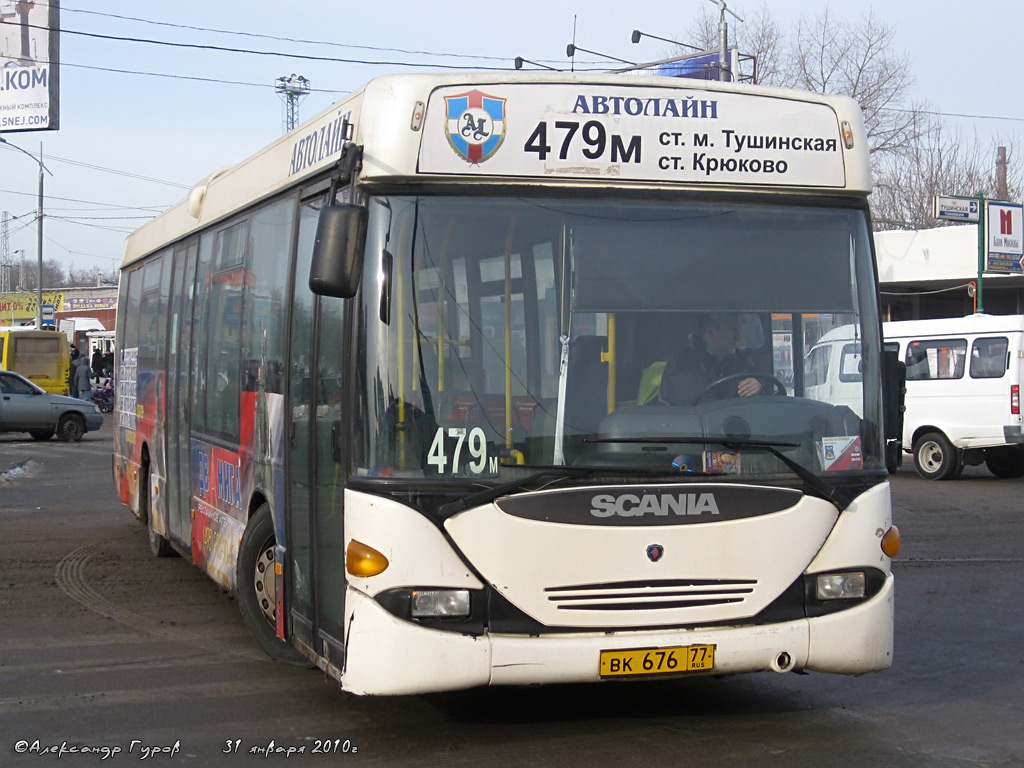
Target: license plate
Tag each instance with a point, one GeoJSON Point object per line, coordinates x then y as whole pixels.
{"type": "Point", "coordinates": [657, 661]}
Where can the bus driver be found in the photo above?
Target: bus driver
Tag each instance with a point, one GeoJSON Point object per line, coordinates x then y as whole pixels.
{"type": "Point", "coordinates": [710, 356]}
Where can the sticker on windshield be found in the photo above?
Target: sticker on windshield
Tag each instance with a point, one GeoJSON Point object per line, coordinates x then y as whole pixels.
{"type": "Point", "coordinates": [722, 462]}
{"type": "Point", "coordinates": [841, 453]}
{"type": "Point", "coordinates": [461, 451]}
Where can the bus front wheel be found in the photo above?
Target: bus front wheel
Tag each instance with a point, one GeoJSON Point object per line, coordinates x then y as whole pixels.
{"type": "Point", "coordinates": [257, 591]}
{"type": "Point", "coordinates": [935, 458]}
{"type": "Point", "coordinates": [158, 545]}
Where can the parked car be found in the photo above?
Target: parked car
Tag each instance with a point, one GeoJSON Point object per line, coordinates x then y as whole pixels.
{"type": "Point", "coordinates": [25, 407]}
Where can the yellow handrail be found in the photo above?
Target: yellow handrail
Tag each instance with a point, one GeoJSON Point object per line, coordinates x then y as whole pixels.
{"type": "Point", "coordinates": [609, 357]}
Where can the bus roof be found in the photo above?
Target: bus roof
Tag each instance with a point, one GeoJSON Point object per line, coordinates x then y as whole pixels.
{"type": "Point", "coordinates": [550, 129]}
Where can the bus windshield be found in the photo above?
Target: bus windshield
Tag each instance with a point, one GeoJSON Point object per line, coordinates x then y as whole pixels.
{"type": "Point", "coordinates": [504, 335]}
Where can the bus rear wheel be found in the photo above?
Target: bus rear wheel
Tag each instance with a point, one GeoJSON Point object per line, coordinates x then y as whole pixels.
{"type": "Point", "coordinates": [256, 589]}
{"type": "Point", "coordinates": [935, 458]}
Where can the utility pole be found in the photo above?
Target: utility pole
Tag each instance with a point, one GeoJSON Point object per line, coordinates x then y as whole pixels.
{"type": "Point", "coordinates": [292, 90]}
{"type": "Point", "coordinates": [39, 244]}
{"type": "Point", "coordinates": [724, 68]}
{"type": "Point", "coordinates": [5, 254]}
{"type": "Point", "coordinates": [39, 225]}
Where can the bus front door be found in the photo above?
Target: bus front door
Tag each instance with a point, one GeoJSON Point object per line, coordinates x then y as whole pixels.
{"type": "Point", "coordinates": [315, 566]}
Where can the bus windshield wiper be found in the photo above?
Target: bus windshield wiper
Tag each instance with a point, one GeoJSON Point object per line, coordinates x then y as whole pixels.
{"type": "Point", "coordinates": [813, 481]}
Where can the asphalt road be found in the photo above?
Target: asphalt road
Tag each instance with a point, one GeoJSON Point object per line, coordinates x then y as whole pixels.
{"type": "Point", "coordinates": [121, 657]}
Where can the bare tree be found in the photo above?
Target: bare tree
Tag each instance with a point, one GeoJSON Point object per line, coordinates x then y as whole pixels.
{"type": "Point", "coordinates": [831, 55]}
{"type": "Point", "coordinates": [90, 277]}
{"type": "Point", "coordinates": [940, 162]}
{"type": "Point", "coordinates": [828, 54]}
{"type": "Point", "coordinates": [914, 155]}
{"type": "Point", "coordinates": [25, 274]}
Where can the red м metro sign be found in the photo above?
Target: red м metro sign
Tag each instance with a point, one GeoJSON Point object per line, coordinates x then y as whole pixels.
{"type": "Point", "coordinates": [1005, 230]}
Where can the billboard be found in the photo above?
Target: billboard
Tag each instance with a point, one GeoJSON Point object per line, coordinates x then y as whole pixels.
{"type": "Point", "coordinates": [697, 66]}
{"type": "Point", "coordinates": [29, 58]}
{"type": "Point", "coordinates": [1005, 237]}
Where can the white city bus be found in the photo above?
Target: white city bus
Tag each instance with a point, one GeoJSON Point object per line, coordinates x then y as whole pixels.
{"type": "Point", "coordinates": [395, 381]}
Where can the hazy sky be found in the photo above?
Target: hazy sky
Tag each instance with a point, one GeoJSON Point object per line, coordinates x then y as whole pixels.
{"type": "Point", "coordinates": [118, 124]}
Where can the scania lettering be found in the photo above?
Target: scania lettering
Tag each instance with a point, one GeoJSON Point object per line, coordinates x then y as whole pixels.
{"type": "Point", "coordinates": [402, 382]}
{"type": "Point", "coordinates": [631, 505]}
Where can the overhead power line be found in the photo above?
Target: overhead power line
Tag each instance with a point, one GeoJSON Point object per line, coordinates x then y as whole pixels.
{"type": "Point", "coordinates": [250, 51]}
{"type": "Point", "coordinates": [154, 208]}
{"type": "Point", "coordinates": [938, 113]}
{"type": "Point", "coordinates": [189, 77]}
{"type": "Point", "coordinates": [278, 38]}
{"type": "Point", "coordinates": [115, 171]}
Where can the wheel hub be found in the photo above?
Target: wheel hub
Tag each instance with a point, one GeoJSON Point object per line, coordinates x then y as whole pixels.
{"type": "Point", "coordinates": [265, 583]}
{"type": "Point", "coordinates": [931, 456]}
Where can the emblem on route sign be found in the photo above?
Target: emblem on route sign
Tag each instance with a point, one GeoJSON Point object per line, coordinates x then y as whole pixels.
{"type": "Point", "coordinates": [654, 552]}
{"type": "Point", "coordinates": [476, 125]}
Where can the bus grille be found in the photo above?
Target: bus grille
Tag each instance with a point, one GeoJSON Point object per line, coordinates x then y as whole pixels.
{"type": "Point", "coordinates": [662, 594]}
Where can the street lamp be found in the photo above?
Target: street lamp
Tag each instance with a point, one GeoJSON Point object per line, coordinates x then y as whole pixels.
{"type": "Point", "coordinates": [39, 225]}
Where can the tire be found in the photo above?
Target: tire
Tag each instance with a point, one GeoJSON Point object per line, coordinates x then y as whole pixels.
{"type": "Point", "coordinates": [256, 588]}
{"type": "Point", "coordinates": [158, 545]}
{"type": "Point", "coordinates": [958, 469]}
{"type": "Point", "coordinates": [70, 428]}
{"type": "Point", "coordinates": [935, 458]}
{"type": "Point", "coordinates": [1005, 462]}
{"type": "Point", "coordinates": [41, 434]}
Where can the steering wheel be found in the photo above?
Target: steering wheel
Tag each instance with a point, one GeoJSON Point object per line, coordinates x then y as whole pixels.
{"type": "Point", "coordinates": [775, 386]}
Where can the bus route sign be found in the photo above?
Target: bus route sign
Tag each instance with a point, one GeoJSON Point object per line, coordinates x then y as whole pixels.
{"type": "Point", "coordinates": [631, 132]}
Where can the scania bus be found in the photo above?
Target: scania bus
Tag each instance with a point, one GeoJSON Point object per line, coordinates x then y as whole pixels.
{"type": "Point", "coordinates": [395, 381]}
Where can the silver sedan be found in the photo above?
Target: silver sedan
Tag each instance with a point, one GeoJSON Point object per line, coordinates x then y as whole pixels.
{"type": "Point", "coordinates": [24, 407]}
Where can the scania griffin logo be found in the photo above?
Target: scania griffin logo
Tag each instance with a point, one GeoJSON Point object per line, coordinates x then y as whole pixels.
{"type": "Point", "coordinates": [654, 552]}
{"type": "Point", "coordinates": [658, 505]}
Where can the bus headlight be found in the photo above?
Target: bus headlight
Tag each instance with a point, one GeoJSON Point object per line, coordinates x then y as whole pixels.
{"type": "Point", "coordinates": [841, 586]}
{"type": "Point", "coordinates": [437, 603]}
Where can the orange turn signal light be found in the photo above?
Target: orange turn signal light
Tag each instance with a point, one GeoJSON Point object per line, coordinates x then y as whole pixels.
{"type": "Point", "coordinates": [891, 542]}
{"type": "Point", "coordinates": [363, 560]}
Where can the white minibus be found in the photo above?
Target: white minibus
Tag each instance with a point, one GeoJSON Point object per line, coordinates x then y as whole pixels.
{"type": "Point", "coordinates": [963, 388]}
{"type": "Point", "coordinates": [963, 392]}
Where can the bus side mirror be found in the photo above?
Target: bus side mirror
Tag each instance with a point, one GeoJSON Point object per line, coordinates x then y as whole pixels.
{"type": "Point", "coordinates": [894, 390]}
{"type": "Point", "coordinates": [337, 264]}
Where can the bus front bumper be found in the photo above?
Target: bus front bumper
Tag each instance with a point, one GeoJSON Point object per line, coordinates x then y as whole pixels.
{"type": "Point", "coordinates": [389, 656]}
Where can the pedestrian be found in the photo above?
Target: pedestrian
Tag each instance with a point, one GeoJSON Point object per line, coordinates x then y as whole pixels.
{"type": "Point", "coordinates": [97, 360]}
{"type": "Point", "coordinates": [72, 379]}
{"type": "Point", "coordinates": [83, 378]}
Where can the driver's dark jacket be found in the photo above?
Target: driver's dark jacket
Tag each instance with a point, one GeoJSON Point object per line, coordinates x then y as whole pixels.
{"type": "Point", "coordinates": [687, 375]}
